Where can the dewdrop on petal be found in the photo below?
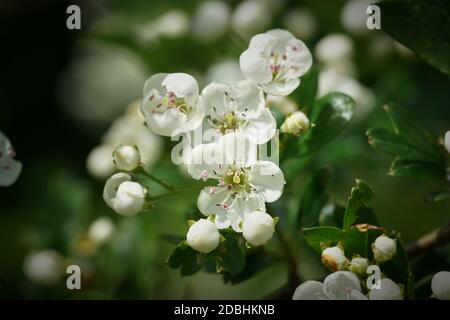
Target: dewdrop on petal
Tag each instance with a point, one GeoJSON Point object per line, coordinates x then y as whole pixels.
{"type": "Point", "coordinates": [126, 158]}
{"type": "Point", "coordinates": [440, 285]}
{"type": "Point", "coordinates": [334, 258]}
{"type": "Point", "coordinates": [203, 236]}
{"type": "Point", "coordinates": [359, 265]}
{"type": "Point", "coordinates": [258, 228]}
{"type": "Point", "coordinates": [384, 248]}
{"type": "Point", "coordinates": [295, 124]}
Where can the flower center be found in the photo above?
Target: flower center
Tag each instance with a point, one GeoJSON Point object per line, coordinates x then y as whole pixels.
{"type": "Point", "coordinates": [277, 62]}
{"type": "Point", "coordinates": [171, 101]}
{"type": "Point", "coordinates": [227, 123]}
{"type": "Point", "coordinates": [236, 179]}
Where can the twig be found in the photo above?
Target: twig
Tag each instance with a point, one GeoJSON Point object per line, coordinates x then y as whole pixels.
{"type": "Point", "coordinates": [430, 241]}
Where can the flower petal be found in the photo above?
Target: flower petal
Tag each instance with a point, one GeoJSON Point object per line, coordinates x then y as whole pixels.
{"type": "Point", "coordinates": [183, 85]}
{"type": "Point", "coordinates": [214, 200]}
{"type": "Point", "coordinates": [338, 285]}
{"type": "Point", "coordinates": [215, 98]}
{"type": "Point", "coordinates": [268, 180]}
{"type": "Point", "coordinates": [261, 129]}
{"type": "Point", "coordinates": [111, 186]}
{"type": "Point", "coordinates": [235, 149]}
{"type": "Point", "coordinates": [155, 83]}
{"type": "Point", "coordinates": [249, 99]}
{"type": "Point", "coordinates": [309, 290]}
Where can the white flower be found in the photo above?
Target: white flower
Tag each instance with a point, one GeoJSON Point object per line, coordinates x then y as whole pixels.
{"type": "Point", "coordinates": [250, 17]}
{"type": "Point", "coordinates": [334, 258]}
{"type": "Point", "coordinates": [124, 196]}
{"type": "Point", "coordinates": [301, 22]}
{"type": "Point", "coordinates": [171, 24]}
{"type": "Point", "coordinates": [203, 236]}
{"type": "Point", "coordinates": [275, 60]}
{"type": "Point", "coordinates": [334, 47]}
{"type": "Point", "coordinates": [9, 168]}
{"type": "Point", "coordinates": [440, 285]}
{"type": "Point", "coordinates": [238, 108]}
{"type": "Point", "coordinates": [99, 161]}
{"type": "Point", "coordinates": [359, 265]}
{"type": "Point", "coordinates": [354, 16]}
{"type": "Point", "coordinates": [384, 248]}
{"type": "Point", "coordinates": [388, 290]}
{"type": "Point", "coordinates": [341, 285]}
{"type": "Point", "coordinates": [126, 158]}
{"type": "Point", "coordinates": [101, 230]}
{"type": "Point", "coordinates": [295, 123]}
{"type": "Point", "coordinates": [258, 228]}
{"type": "Point", "coordinates": [282, 104]}
{"type": "Point", "coordinates": [211, 20]}
{"type": "Point", "coordinates": [44, 267]}
{"type": "Point", "coordinates": [224, 71]}
{"type": "Point", "coordinates": [447, 141]}
{"type": "Point", "coordinates": [171, 104]}
{"type": "Point", "coordinates": [244, 184]}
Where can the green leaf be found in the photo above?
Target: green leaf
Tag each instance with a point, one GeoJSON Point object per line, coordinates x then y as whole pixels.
{"type": "Point", "coordinates": [359, 199]}
{"type": "Point", "coordinates": [416, 169]}
{"type": "Point", "coordinates": [231, 252]}
{"type": "Point", "coordinates": [322, 236]}
{"type": "Point", "coordinates": [330, 115]}
{"type": "Point", "coordinates": [422, 26]}
{"type": "Point", "coordinates": [255, 262]}
{"type": "Point", "coordinates": [412, 132]}
{"type": "Point", "coordinates": [185, 258]}
{"type": "Point", "coordinates": [307, 91]}
{"type": "Point", "coordinates": [314, 198]}
{"type": "Point", "coordinates": [358, 240]}
{"type": "Point", "coordinates": [332, 215]}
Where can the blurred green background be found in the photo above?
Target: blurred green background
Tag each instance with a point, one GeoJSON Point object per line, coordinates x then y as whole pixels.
{"type": "Point", "coordinates": [61, 90]}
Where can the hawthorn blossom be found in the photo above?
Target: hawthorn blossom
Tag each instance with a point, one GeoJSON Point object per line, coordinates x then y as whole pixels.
{"type": "Point", "coordinates": [203, 236]}
{"type": "Point", "coordinates": [171, 104]}
{"type": "Point", "coordinates": [258, 228]}
{"type": "Point", "coordinates": [388, 290]}
{"type": "Point", "coordinates": [440, 285]}
{"type": "Point", "coordinates": [9, 168]}
{"type": "Point", "coordinates": [275, 60]}
{"type": "Point", "coordinates": [244, 184]}
{"type": "Point", "coordinates": [238, 108]}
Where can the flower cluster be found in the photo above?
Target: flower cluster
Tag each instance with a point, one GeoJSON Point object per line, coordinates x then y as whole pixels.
{"type": "Point", "coordinates": [234, 120]}
{"type": "Point", "coordinates": [345, 281]}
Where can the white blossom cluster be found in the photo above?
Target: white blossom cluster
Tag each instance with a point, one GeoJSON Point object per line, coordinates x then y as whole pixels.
{"type": "Point", "coordinates": [240, 183]}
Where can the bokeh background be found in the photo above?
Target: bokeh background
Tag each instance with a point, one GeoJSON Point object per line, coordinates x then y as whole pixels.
{"type": "Point", "coordinates": [67, 97]}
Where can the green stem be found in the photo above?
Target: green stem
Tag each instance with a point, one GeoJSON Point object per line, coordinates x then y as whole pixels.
{"type": "Point", "coordinates": [162, 183]}
{"type": "Point", "coordinates": [175, 191]}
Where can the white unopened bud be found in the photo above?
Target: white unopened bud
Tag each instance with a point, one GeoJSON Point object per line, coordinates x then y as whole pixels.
{"type": "Point", "coordinates": [359, 265]}
{"type": "Point", "coordinates": [334, 258]}
{"type": "Point", "coordinates": [295, 123]}
{"type": "Point", "coordinates": [440, 285]}
{"type": "Point", "coordinates": [101, 230]}
{"type": "Point", "coordinates": [123, 195]}
{"type": "Point", "coordinates": [447, 141]}
{"type": "Point", "coordinates": [388, 290]}
{"type": "Point", "coordinates": [126, 158]}
{"type": "Point", "coordinates": [258, 228]}
{"type": "Point", "coordinates": [384, 248]}
{"type": "Point", "coordinates": [203, 236]}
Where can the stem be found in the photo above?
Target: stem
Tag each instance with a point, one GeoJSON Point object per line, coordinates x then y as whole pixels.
{"type": "Point", "coordinates": [430, 241]}
{"type": "Point", "coordinates": [175, 191]}
{"type": "Point", "coordinates": [162, 183]}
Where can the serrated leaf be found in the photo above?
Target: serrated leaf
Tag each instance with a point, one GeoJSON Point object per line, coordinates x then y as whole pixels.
{"type": "Point", "coordinates": [416, 169]}
{"type": "Point", "coordinates": [254, 263]}
{"type": "Point", "coordinates": [179, 254]}
{"type": "Point", "coordinates": [231, 254]}
{"type": "Point", "coordinates": [359, 199]}
{"type": "Point", "coordinates": [318, 236]}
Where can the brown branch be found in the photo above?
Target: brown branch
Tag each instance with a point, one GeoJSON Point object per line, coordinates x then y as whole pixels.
{"type": "Point", "coordinates": [430, 241]}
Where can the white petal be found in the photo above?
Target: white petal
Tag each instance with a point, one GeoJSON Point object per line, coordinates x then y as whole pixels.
{"type": "Point", "coordinates": [243, 206]}
{"type": "Point", "coordinates": [212, 199]}
{"type": "Point", "coordinates": [202, 161]}
{"type": "Point", "coordinates": [440, 285]}
{"type": "Point", "coordinates": [167, 123]}
{"type": "Point", "coordinates": [281, 88]}
{"type": "Point", "coordinates": [268, 180]}
{"type": "Point", "coordinates": [249, 98]}
{"type": "Point", "coordinates": [234, 148]}
{"type": "Point", "coordinates": [309, 290]}
{"type": "Point", "coordinates": [9, 172]}
{"type": "Point", "coordinates": [261, 129]}
{"type": "Point", "coordinates": [339, 284]}
{"type": "Point", "coordinates": [111, 186]}
{"type": "Point", "coordinates": [155, 82]}
{"type": "Point", "coordinates": [182, 85]}
{"type": "Point", "coordinates": [215, 98]}
{"type": "Point", "coordinates": [222, 221]}
{"type": "Point", "coordinates": [388, 290]}
{"type": "Point", "coordinates": [447, 141]}
{"type": "Point", "coordinates": [299, 58]}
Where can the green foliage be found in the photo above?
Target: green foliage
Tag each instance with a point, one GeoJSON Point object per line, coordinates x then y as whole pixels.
{"type": "Point", "coordinates": [306, 93]}
{"type": "Point", "coordinates": [423, 27]}
{"type": "Point", "coordinates": [416, 152]}
{"type": "Point", "coordinates": [318, 237]}
{"type": "Point", "coordinates": [359, 200]}
{"type": "Point", "coordinates": [231, 254]}
{"type": "Point", "coordinates": [185, 258]}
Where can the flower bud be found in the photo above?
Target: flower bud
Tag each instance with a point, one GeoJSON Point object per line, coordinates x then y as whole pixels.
{"type": "Point", "coordinates": [295, 123]}
{"type": "Point", "coordinates": [334, 258]}
{"type": "Point", "coordinates": [384, 248]}
{"type": "Point", "coordinates": [124, 196]}
{"type": "Point", "coordinates": [203, 236]}
{"type": "Point", "coordinates": [388, 290]}
{"type": "Point", "coordinates": [101, 230]}
{"type": "Point", "coordinates": [126, 158]}
{"type": "Point", "coordinates": [359, 265]}
{"type": "Point", "coordinates": [440, 285]}
{"type": "Point", "coordinates": [447, 141]}
{"type": "Point", "coordinates": [258, 228]}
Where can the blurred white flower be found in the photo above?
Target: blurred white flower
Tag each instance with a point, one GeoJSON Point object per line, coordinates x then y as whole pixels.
{"type": "Point", "coordinates": [9, 168]}
{"type": "Point", "coordinates": [440, 285]}
{"type": "Point", "coordinates": [354, 16]}
{"type": "Point", "coordinates": [301, 22]}
{"type": "Point", "coordinates": [126, 157]}
{"type": "Point", "coordinates": [384, 248]}
{"type": "Point", "coordinates": [101, 230]}
{"type": "Point", "coordinates": [250, 17]}
{"type": "Point", "coordinates": [244, 184]}
{"type": "Point", "coordinates": [171, 24]}
{"type": "Point", "coordinates": [224, 71]}
{"type": "Point", "coordinates": [171, 104]}
{"type": "Point", "coordinates": [295, 124]}
{"type": "Point", "coordinates": [341, 285]}
{"type": "Point", "coordinates": [44, 267]}
{"type": "Point", "coordinates": [123, 195]}
{"type": "Point", "coordinates": [388, 290]}
{"type": "Point", "coordinates": [99, 161]}
{"type": "Point", "coordinates": [334, 47]}
{"type": "Point", "coordinates": [258, 228]}
{"type": "Point", "coordinates": [359, 265]}
{"type": "Point", "coordinates": [281, 103]}
{"type": "Point", "coordinates": [203, 236]}
{"type": "Point", "coordinates": [334, 258]}
{"type": "Point", "coordinates": [100, 82]}
{"type": "Point", "coordinates": [447, 141]}
{"type": "Point", "coordinates": [211, 20]}
{"type": "Point", "coordinates": [238, 108]}
{"type": "Point", "coordinates": [276, 60]}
